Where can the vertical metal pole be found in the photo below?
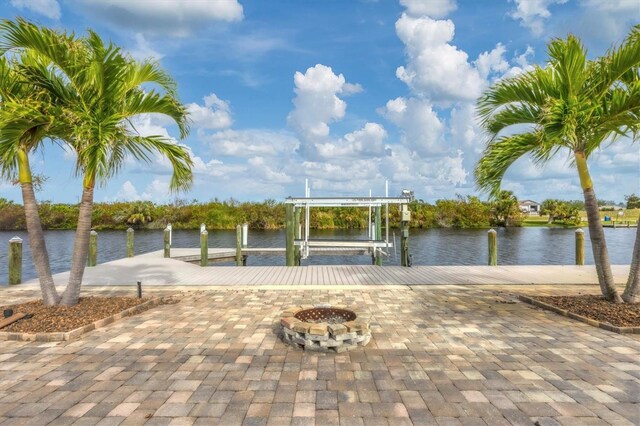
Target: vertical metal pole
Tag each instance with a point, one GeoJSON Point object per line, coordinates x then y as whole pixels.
{"type": "Point", "coordinates": [130, 234]}
{"type": "Point", "coordinates": [15, 260]}
{"type": "Point", "coordinates": [93, 249]}
{"type": "Point", "coordinates": [167, 242]}
{"type": "Point", "coordinates": [245, 234]}
{"type": "Point", "coordinates": [378, 211]}
{"type": "Point", "coordinates": [297, 213]}
{"type": "Point", "coordinates": [579, 247]}
{"type": "Point", "coordinates": [369, 227]}
{"type": "Point", "coordinates": [239, 245]}
{"type": "Point", "coordinates": [386, 194]}
{"type": "Point", "coordinates": [290, 234]}
{"type": "Point", "coordinates": [204, 248]}
{"type": "Point", "coordinates": [493, 247]}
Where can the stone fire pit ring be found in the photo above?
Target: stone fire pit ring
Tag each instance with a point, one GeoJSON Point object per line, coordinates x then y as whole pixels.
{"type": "Point", "coordinates": [325, 328]}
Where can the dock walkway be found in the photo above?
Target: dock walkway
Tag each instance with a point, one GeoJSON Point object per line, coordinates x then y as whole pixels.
{"type": "Point", "coordinates": [153, 269]}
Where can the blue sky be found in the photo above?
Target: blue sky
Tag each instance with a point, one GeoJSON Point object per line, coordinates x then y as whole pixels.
{"type": "Point", "coordinates": [345, 93]}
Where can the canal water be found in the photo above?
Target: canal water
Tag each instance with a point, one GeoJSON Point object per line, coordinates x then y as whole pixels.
{"type": "Point", "coordinates": [516, 246]}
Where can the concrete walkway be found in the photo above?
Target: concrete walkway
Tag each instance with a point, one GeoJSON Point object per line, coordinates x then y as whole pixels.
{"type": "Point", "coordinates": [153, 269]}
{"type": "Point", "coordinates": [441, 355]}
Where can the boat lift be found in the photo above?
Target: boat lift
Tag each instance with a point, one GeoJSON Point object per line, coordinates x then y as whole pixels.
{"type": "Point", "coordinates": [299, 243]}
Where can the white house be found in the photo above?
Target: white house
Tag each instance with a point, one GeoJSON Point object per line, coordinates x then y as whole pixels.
{"type": "Point", "coordinates": [529, 207]}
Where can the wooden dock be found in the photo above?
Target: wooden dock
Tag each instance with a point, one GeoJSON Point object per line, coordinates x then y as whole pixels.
{"type": "Point", "coordinates": [153, 269]}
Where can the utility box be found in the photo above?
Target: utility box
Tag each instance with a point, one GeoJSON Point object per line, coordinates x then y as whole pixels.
{"type": "Point", "coordinates": [405, 233]}
{"type": "Point", "coordinates": [406, 215]}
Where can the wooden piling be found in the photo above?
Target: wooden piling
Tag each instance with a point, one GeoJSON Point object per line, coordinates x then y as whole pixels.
{"type": "Point", "coordinates": [93, 249]}
{"type": "Point", "coordinates": [15, 260]}
{"type": "Point", "coordinates": [493, 247]}
{"type": "Point", "coordinates": [290, 235]}
{"type": "Point", "coordinates": [405, 259]}
{"type": "Point", "coordinates": [130, 234]}
{"type": "Point", "coordinates": [204, 248]}
{"type": "Point", "coordinates": [167, 242]}
{"type": "Point", "coordinates": [579, 247]}
{"type": "Point", "coordinates": [239, 245]}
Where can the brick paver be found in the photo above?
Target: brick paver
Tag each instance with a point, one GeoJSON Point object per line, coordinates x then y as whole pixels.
{"type": "Point", "coordinates": [438, 355]}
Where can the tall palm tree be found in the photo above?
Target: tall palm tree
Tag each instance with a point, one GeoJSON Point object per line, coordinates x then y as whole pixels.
{"type": "Point", "coordinates": [25, 121]}
{"type": "Point", "coordinates": [102, 91]}
{"type": "Point", "coordinates": [632, 289]}
{"type": "Point", "coordinates": [572, 105]}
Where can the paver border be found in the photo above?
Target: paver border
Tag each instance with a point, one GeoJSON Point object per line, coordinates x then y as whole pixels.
{"type": "Point", "coordinates": [76, 333]}
{"type": "Point", "coordinates": [572, 315]}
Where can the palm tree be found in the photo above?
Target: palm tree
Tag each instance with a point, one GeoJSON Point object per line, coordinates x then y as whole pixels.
{"type": "Point", "coordinates": [573, 104]}
{"type": "Point", "coordinates": [104, 93]}
{"type": "Point", "coordinates": [25, 121]}
{"type": "Point", "coordinates": [632, 289]}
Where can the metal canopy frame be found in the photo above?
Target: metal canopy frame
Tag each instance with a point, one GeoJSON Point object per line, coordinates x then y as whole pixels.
{"type": "Point", "coordinates": [307, 202]}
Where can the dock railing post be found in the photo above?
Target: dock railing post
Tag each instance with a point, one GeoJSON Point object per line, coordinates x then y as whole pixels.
{"type": "Point", "coordinates": [130, 233]}
{"type": "Point", "coordinates": [579, 247]}
{"type": "Point", "coordinates": [239, 245]}
{"type": "Point", "coordinates": [290, 234]}
{"type": "Point", "coordinates": [93, 249]}
{"type": "Point", "coordinates": [167, 242]}
{"type": "Point", "coordinates": [15, 260]}
{"type": "Point", "coordinates": [298, 233]}
{"type": "Point", "coordinates": [493, 247]}
{"type": "Point", "coordinates": [204, 248]}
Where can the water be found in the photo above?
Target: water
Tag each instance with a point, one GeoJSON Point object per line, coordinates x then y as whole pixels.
{"type": "Point", "coordinates": [516, 246]}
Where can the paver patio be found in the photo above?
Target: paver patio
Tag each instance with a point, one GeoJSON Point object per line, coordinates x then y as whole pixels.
{"type": "Point", "coordinates": [439, 355]}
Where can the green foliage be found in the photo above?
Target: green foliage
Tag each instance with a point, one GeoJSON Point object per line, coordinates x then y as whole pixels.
{"type": "Point", "coordinates": [633, 201]}
{"type": "Point", "coordinates": [505, 210]}
{"type": "Point", "coordinates": [560, 211]}
{"type": "Point", "coordinates": [462, 212]}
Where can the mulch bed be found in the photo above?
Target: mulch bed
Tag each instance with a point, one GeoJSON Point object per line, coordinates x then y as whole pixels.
{"type": "Point", "coordinates": [596, 308]}
{"type": "Point", "coordinates": [50, 319]}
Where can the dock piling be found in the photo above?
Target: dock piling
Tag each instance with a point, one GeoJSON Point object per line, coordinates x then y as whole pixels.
{"type": "Point", "coordinates": [167, 241]}
{"type": "Point", "coordinates": [579, 247]}
{"type": "Point", "coordinates": [493, 247]}
{"type": "Point", "coordinates": [130, 234]}
{"type": "Point", "coordinates": [297, 213]}
{"type": "Point", "coordinates": [204, 248]}
{"type": "Point", "coordinates": [93, 249]}
{"type": "Point", "coordinates": [15, 260]}
{"type": "Point", "coordinates": [290, 234]}
{"type": "Point", "coordinates": [239, 261]}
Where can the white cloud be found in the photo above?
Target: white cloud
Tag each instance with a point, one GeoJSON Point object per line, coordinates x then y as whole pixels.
{"type": "Point", "coordinates": [316, 105]}
{"type": "Point", "coordinates": [143, 50]}
{"type": "Point", "coordinates": [128, 192]}
{"type": "Point", "coordinates": [215, 114]}
{"type": "Point", "coordinates": [431, 8]}
{"type": "Point", "coordinates": [533, 13]}
{"type": "Point", "coordinates": [48, 8]}
{"type": "Point", "coordinates": [251, 142]}
{"type": "Point", "coordinates": [176, 17]}
{"type": "Point", "coordinates": [368, 141]}
{"type": "Point", "coordinates": [492, 62]}
{"type": "Point", "coordinates": [422, 130]}
{"type": "Point", "coordinates": [436, 69]}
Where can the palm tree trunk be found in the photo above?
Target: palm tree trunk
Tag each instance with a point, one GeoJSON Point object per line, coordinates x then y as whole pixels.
{"type": "Point", "coordinates": [81, 245]}
{"type": "Point", "coordinates": [596, 233]}
{"type": "Point", "coordinates": [34, 231]}
{"type": "Point", "coordinates": [632, 290]}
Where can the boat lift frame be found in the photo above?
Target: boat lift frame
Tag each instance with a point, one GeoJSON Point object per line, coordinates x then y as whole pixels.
{"type": "Point", "coordinates": [374, 243]}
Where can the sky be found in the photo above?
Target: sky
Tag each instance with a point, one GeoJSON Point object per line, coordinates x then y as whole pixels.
{"type": "Point", "coordinates": [348, 94]}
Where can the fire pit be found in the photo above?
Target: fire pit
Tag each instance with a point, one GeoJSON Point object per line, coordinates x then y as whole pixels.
{"type": "Point", "coordinates": [324, 328]}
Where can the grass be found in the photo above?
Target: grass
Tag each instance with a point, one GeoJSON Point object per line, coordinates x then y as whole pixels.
{"type": "Point", "coordinates": [630, 215]}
